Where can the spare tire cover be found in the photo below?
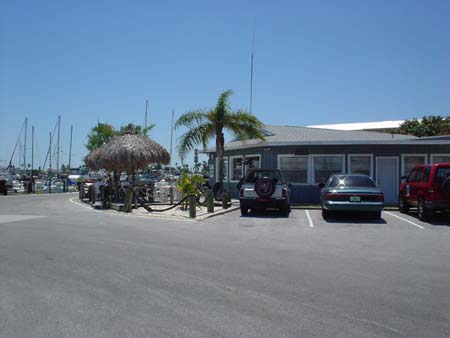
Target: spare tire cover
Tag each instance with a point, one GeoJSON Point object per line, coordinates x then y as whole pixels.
{"type": "Point", "coordinates": [264, 187]}
{"type": "Point", "coordinates": [446, 187]}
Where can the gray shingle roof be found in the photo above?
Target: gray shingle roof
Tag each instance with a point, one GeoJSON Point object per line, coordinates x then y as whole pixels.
{"type": "Point", "coordinates": [293, 135]}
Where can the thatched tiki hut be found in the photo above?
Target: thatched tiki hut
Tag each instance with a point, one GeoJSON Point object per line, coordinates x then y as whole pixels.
{"type": "Point", "coordinates": [127, 152]}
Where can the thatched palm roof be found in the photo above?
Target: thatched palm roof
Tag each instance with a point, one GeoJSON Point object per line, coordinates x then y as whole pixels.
{"type": "Point", "coordinates": [127, 152]}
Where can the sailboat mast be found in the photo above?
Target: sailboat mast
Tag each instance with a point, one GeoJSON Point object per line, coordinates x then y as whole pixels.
{"type": "Point", "coordinates": [50, 165]}
{"type": "Point", "coordinates": [145, 121]}
{"type": "Point", "coordinates": [171, 137]}
{"type": "Point", "coordinates": [25, 147]}
{"type": "Point", "coordinates": [32, 150]}
{"type": "Point", "coordinates": [57, 147]}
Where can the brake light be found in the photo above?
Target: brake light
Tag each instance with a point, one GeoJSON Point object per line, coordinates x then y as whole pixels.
{"type": "Point", "coordinates": [336, 197]}
{"type": "Point", "coordinates": [241, 193]}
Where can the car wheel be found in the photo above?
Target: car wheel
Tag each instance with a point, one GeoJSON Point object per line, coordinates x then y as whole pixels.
{"type": "Point", "coordinates": [402, 205]}
{"type": "Point", "coordinates": [244, 211]}
{"type": "Point", "coordinates": [422, 211]}
{"type": "Point", "coordinates": [325, 213]}
{"type": "Point", "coordinates": [285, 210]}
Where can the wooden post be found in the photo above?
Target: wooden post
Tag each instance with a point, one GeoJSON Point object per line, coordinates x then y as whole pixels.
{"type": "Point", "coordinates": [128, 200]}
{"type": "Point", "coordinates": [192, 207]}
{"type": "Point", "coordinates": [210, 203]}
{"type": "Point", "coordinates": [226, 199]}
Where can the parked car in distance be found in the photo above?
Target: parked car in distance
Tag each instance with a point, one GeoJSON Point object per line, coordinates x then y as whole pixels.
{"type": "Point", "coordinates": [427, 187]}
{"type": "Point", "coordinates": [263, 189]}
{"type": "Point", "coordinates": [351, 193]}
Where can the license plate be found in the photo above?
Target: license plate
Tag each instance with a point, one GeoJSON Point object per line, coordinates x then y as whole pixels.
{"type": "Point", "coordinates": [355, 199]}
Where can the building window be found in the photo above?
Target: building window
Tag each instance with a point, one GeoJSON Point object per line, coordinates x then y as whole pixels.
{"type": "Point", "coordinates": [295, 168]}
{"type": "Point", "coordinates": [326, 165]}
{"type": "Point", "coordinates": [360, 164]}
{"type": "Point", "coordinates": [440, 158]}
{"type": "Point", "coordinates": [253, 162]}
{"type": "Point", "coordinates": [410, 161]}
{"type": "Point", "coordinates": [211, 170]}
{"type": "Point", "coordinates": [225, 169]}
{"type": "Point", "coordinates": [236, 168]}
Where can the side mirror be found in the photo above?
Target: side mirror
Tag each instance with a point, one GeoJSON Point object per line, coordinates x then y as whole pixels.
{"type": "Point", "coordinates": [321, 185]}
{"type": "Point", "coordinates": [239, 185]}
{"type": "Point", "coordinates": [405, 178]}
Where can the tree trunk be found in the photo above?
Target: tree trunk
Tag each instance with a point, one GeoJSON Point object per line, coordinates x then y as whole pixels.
{"type": "Point", "coordinates": [220, 143]}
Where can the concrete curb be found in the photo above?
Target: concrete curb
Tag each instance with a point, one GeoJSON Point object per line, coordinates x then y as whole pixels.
{"type": "Point", "coordinates": [75, 200]}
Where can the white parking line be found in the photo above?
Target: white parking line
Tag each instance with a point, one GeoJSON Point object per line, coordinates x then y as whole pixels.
{"type": "Point", "coordinates": [311, 224]}
{"type": "Point", "coordinates": [406, 220]}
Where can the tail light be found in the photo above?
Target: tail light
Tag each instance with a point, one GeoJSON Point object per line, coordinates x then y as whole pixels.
{"type": "Point", "coordinates": [372, 198]}
{"type": "Point", "coordinates": [241, 193]}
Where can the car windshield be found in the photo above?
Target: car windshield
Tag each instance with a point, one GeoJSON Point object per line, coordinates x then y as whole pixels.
{"type": "Point", "coordinates": [442, 173]}
{"type": "Point", "coordinates": [352, 181]}
{"type": "Point", "coordinates": [270, 174]}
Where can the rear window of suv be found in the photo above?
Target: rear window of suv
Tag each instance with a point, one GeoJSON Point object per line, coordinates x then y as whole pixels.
{"type": "Point", "coordinates": [253, 176]}
{"type": "Point", "coordinates": [441, 174]}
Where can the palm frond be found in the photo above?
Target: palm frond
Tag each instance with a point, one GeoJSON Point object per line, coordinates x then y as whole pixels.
{"type": "Point", "coordinates": [244, 125]}
{"type": "Point", "coordinates": [223, 106]}
{"type": "Point", "coordinates": [191, 119]}
{"type": "Point", "coordinates": [194, 137]}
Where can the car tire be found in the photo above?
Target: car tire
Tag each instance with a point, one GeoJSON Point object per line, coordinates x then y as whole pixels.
{"type": "Point", "coordinates": [402, 205]}
{"type": "Point", "coordinates": [325, 213]}
{"type": "Point", "coordinates": [422, 211]}
{"type": "Point", "coordinates": [285, 210]}
{"type": "Point", "coordinates": [244, 211]}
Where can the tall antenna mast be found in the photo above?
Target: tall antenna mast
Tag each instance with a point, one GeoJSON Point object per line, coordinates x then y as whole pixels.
{"type": "Point", "coordinates": [145, 121]}
{"type": "Point", "coordinates": [171, 138]}
{"type": "Point", "coordinates": [251, 69]}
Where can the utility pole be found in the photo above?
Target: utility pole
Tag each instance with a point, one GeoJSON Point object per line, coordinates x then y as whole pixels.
{"type": "Point", "coordinates": [70, 148]}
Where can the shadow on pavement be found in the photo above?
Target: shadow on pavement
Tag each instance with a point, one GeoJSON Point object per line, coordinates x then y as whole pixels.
{"type": "Point", "coordinates": [355, 218]}
{"type": "Point", "coordinates": [437, 219]}
{"type": "Point", "coordinates": [266, 214]}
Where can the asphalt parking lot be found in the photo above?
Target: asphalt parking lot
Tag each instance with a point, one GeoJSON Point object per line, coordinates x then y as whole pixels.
{"type": "Point", "coordinates": [312, 218]}
{"type": "Point", "coordinates": [70, 271]}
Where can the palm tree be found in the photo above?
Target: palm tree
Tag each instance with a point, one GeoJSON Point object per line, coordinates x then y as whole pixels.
{"type": "Point", "coordinates": [206, 124]}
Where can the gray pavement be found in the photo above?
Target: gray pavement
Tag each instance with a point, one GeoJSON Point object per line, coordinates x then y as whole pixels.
{"type": "Point", "coordinates": [69, 271]}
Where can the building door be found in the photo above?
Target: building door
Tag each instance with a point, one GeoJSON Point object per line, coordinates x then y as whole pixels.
{"type": "Point", "coordinates": [387, 178]}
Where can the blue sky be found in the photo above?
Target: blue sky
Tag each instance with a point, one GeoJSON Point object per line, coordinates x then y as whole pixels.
{"type": "Point", "coordinates": [316, 62]}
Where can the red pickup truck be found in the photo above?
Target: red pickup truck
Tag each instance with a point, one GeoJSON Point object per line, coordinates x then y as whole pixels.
{"type": "Point", "coordinates": [427, 187]}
